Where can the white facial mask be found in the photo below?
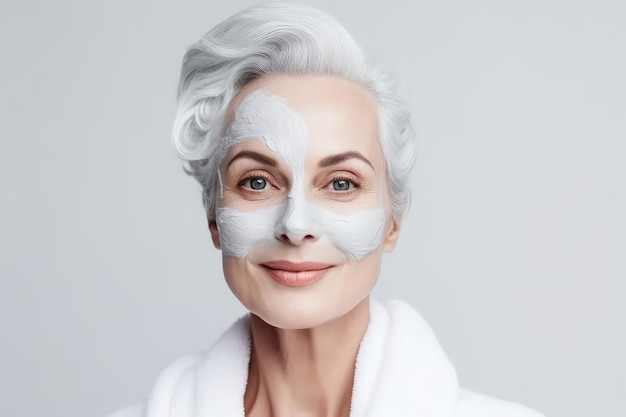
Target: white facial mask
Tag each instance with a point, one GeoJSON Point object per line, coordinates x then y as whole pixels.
{"type": "Point", "coordinates": [268, 118]}
{"type": "Point", "coordinates": [271, 121]}
{"type": "Point", "coordinates": [355, 235]}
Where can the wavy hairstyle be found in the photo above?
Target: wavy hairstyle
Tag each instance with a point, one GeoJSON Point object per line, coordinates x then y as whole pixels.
{"type": "Point", "coordinates": [280, 38]}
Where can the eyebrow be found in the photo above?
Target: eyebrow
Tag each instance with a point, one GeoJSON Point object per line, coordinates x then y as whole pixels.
{"type": "Point", "coordinates": [339, 158]}
{"type": "Point", "coordinates": [253, 155]}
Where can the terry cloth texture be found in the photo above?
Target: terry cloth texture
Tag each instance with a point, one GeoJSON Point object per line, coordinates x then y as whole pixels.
{"type": "Point", "coordinates": [401, 370]}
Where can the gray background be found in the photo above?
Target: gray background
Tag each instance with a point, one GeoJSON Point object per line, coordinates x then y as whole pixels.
{"type": "Point", "coordinates": [514, 249]}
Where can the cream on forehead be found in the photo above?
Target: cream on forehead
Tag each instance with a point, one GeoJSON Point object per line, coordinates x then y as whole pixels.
{"type": "Point", "coordinates": [268, 118]}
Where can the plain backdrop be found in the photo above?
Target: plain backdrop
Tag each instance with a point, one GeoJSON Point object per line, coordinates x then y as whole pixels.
{"type": "Point", "coordinates": [514, 249]}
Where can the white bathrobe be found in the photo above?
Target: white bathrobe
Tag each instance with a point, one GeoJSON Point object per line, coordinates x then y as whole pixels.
{"type": "Point", "coordinates": [401, 370]}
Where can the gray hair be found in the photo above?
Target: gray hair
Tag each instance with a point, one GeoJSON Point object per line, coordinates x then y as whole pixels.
{"type": "Point", "coordinates": [280, 38]}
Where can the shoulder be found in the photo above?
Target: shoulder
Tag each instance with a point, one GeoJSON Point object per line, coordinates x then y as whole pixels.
{"type": "Point", "coordinates": [473, 404]}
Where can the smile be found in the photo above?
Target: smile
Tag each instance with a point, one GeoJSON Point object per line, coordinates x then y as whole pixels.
{"type": "Point", "coordinates": [296, 274]}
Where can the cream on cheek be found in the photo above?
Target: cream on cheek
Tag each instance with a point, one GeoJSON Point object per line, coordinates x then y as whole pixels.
{"type": "Point", "coordinates": [268, 118]}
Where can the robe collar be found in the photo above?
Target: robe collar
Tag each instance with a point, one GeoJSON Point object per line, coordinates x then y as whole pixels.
{"type": "Point", "coordinates": [401, 370]}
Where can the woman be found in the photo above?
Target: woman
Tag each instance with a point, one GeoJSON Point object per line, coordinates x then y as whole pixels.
{"type": "Point", "coordinates": [303, 153]}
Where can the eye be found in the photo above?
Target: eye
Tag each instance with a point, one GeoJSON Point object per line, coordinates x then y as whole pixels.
{"type": "Point", "coordinates": [255, 183]}
{"type": "Point", "coordinates": [342, 184]}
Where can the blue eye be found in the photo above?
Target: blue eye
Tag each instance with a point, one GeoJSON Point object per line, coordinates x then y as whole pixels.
{"type": "Point", "coordinates": [341, 185]}
{"type": "Point", "coordinates": [257, 183]}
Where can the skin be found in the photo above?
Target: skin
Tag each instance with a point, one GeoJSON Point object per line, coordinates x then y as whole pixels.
{"type": "Point", "coordinates": [305, 339]}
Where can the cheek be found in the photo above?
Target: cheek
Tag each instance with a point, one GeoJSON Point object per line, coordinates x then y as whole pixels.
{"type": "Point", "coordinates": [241, 232]}
{"type": "Point", "coordinates": [369, 269]}
{"type": "Point", "coordinates": [358, 234]}
{"type": "Point", "coordinates": [238, 279]}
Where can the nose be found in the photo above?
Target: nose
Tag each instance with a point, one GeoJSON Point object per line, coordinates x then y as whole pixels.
{"type": "Point", "coordinates": [296, 226]}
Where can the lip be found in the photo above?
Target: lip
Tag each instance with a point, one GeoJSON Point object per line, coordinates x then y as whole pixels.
{"type": "Point", "coordinates": [296, 274]}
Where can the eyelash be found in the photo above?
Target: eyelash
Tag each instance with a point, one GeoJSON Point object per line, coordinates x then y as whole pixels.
{"type": "Point", "coordinates": [266, 177]}
{"type": "Point", "coordinates": [355, 184]}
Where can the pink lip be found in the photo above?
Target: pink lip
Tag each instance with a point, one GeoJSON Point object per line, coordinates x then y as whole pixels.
{"type": "Point", "coordinates": [296, 274]}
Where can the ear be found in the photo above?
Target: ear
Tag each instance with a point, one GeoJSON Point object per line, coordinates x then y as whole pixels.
{"type": "Point", "coordinates": [215, 234]}
{"type": "Point", "coordinates": [391, 236]}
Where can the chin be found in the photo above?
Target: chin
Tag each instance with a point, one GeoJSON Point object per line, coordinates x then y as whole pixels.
{"type": "Point", "coordinates": [293, 322]}
{"type": "Point", "coordinates": [297, 312]}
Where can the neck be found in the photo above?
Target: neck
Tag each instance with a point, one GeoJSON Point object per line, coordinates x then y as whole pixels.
{"type": "Point", "coordinates": [305, 372]}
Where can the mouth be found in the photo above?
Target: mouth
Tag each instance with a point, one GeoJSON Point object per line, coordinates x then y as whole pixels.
{"type": "Point", "coordinates": [296, 274]}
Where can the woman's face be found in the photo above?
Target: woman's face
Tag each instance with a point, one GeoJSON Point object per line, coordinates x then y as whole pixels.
{"type": "Point", "coordinates": [304, 213]}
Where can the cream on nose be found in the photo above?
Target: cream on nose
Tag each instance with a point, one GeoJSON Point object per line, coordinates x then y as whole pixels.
{"type": "Point", "coordinates": [296, 225]}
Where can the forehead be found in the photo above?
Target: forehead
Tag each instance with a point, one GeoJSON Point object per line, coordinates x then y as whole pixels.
{"type": "Point", "coordinates": [339, 115]}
